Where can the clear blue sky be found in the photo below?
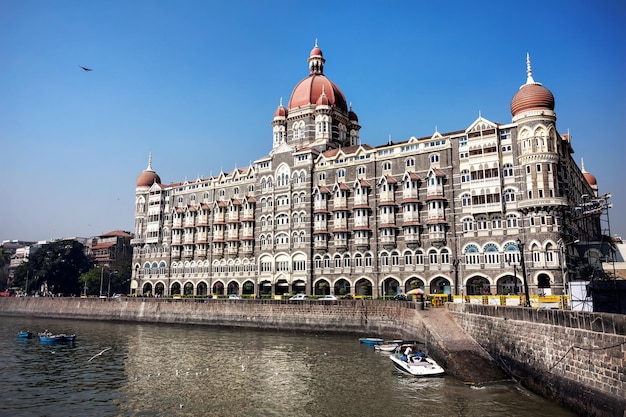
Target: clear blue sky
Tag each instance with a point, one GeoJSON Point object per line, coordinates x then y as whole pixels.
{"type": "Point", "coordinates": [197, 82]}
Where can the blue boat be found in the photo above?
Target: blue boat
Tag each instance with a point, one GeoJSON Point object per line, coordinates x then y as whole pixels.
{"type": "Point", "coordinates": [24, 335]}
{"type": "Point", "coordinates": [48, 337]}
{"type": "Point", "coordinates": [371, 340]}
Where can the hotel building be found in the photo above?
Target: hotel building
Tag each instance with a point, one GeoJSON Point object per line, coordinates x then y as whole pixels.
{"type": "Point", "coordinates": [324, 213]}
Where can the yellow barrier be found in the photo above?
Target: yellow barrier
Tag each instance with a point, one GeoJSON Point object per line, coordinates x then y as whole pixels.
{"type": "Point", "coordinates": [438, 300]}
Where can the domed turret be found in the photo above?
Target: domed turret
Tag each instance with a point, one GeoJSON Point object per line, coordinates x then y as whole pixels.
{"type": "Point", "coordinates": [589, 177]}
{"type": "Point", "coordinates": [281, 111]}
{"type": "Point", "coordinates": [148, 176]}
{"type": "Point", "coordinates": [532, 95]}
{"type": "Point", "coordinates": [310, 89]}
{"type": "Point", "coordinates": [322, 100]}
{"type": "Point", "coordinates": [352, 115]}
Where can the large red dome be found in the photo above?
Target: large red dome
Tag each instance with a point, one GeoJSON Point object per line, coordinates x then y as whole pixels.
{"type": "Point", "coordinates": [309, 90]}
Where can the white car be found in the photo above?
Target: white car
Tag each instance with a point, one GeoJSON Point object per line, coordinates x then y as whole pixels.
{"type": "Point", "coordinates": [327, 298]}
{"type": "Point", "coordinates": [234, 297]}
{"type": "Point", "coordinates": [299, 297]}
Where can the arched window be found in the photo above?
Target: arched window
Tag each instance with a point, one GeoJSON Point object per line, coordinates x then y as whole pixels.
{"type": "Point", "coordinates": [472, 255]}
{"type": "Point", "coordinates": [492, 256]}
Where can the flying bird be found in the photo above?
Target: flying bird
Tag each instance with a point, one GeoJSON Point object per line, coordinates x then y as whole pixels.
{"type": "Point", "coordinates": [85, 68]}
{"type": "Point", "coordinates": [98, 354]}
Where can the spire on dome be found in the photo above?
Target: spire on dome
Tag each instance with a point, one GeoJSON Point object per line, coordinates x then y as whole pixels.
{"type": "Point", "coordinates": [149, 162]}
{"type": "Point", "coordinates": [529, 72]}
{"type": "Point", "coordinates": [582, 164]}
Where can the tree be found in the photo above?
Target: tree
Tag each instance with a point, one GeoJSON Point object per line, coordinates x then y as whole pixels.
{"type": "Point", "coordinates": [55, 266]}
{"type": "Point", "coordinates": [114, 278]}
{"type": "Point", "coordinates": [5, 259]}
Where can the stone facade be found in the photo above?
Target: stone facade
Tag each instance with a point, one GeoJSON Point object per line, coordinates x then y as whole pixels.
{"type": "Point", "coordinates": [323, 213]}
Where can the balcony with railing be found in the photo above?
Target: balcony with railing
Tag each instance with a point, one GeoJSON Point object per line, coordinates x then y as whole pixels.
{"type": "Point", "coordinates": [387, 219]}
{"type": "Point", "coordinates": [361, 201]}
{"type": "Point", "coordinates": [233, 216]}
{"type": "Point", "coordinates": [218, 236]}
{"type": "Point", "coordinates": [437, 236]}
{"type": "Point", "coordinates": [340, 243]}
{"type": "Point", "coordinates": [320, 226]}
{"type": "Point", "coordinates": [411, 238]}
{"type": "Point", "coordinates": [247, 215]}
{"type": "Point", "coordinates": [362, 242]}
{"type": "Point", "coordinates": [340, 203]}
{"type": "Point", "coordinates": [320, 244]}
{"type": "Point", "coordinates": [320, 206]}
{"type": "Point", "coordinates": [386, 197]}
{"type": "Point", "coordinates": [361, 222]}
{"type": "Point", "coordinates": [387, 240]}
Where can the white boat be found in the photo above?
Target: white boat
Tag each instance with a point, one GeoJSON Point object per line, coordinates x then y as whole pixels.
{"type": "Point", "coordinates": [388, 345]}
{"type": "Point", "coordinates": [417, 364]}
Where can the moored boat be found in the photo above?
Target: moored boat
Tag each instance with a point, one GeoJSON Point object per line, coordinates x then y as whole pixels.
{"type": "Point", "coordinates": [48, 337]}
{"type": "Point", "coordinates": [371, 340]}
{"type": "Point", "coordinates": [418, 364]}
{"type": "Point", "coordinates": [24, 335]}
{"type": "Point", "coordinates": [388, 345]}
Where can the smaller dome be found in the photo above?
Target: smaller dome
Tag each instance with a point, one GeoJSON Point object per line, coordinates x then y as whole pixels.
{"type": "Point", "coordinates": [352, 115]}
{"type": "Point", "coordinates": [591, 180]}
{"type": "Point", "coordinates": [323, 99]}
{"type": "Point", "coordinates": [148, 176]}
{"type": "Point", "coordinates": [316, 51]}
{"type": "Point", "coordinates": [281, 111]}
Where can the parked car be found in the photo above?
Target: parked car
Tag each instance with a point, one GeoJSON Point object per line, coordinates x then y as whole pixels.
{"type": "Point", "coordinates": [400, 297]}
{"type": "Point", "coordinates": [299, 297]}
{"type": "Point", "coordinates": [234, 297]}
{"type": "Point", "coordinates": [328, 298]}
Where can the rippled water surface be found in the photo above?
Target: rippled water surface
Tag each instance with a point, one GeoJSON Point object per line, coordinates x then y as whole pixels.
{"type": "Point", "coordinates": [180, 370]}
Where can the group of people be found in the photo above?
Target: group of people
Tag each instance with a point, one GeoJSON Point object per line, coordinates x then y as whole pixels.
{"type": "Point", "coordinates": [410, 357]}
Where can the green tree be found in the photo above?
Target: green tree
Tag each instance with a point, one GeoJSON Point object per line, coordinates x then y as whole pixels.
{"type": "Point", "coordinates": [58, 265]}
{"type": "Point", "coordinates": [114, 279]}
{"type": "Point", "coordinates": [5, 259]}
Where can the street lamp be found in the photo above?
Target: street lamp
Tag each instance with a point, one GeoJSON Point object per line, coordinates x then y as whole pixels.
{"type": "Point", "coordinates": [520, 246]}
{"type": "Point", "coordinates": [101, 278]}
{"type": "Point", "coordinates": [109, 290]}
{"type": "Point", "coordinates": [457, 265]}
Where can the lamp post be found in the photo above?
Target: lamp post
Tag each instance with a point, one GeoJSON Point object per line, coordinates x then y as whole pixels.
{"type": "Point", "coordinates": [101, 278]}
{"type": "Point", "coordinates": [109, 289]}
{"type": "Point", "coordinates": [520, 246]}
{"type": "Point", "coordinates": [457, 264]}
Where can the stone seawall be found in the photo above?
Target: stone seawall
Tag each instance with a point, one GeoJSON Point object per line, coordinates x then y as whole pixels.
{"type": "Point", "coordinates": [390, 319]}
{"type": "Point", "coordinates": [577, 358]}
